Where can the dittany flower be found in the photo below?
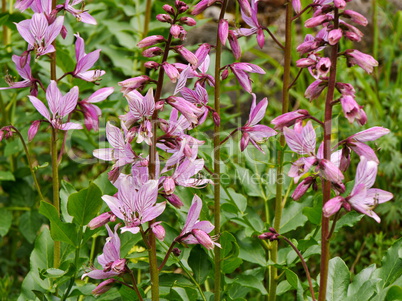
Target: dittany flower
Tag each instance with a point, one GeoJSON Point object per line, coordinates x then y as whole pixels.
{"type": "Point", "coordinates": [112, 264]}
{"type": "Point", "coordinates": [39, 34]}
{"type": "Point", "coordinates": [252, 132]}
{"type": "Point", "coordinates": [59, 105]}
{"type": "Point", "coordinates": [80, 14]}
{"type": "Point", "coordinates": [135, 207]}
{"type": "Point", "coordinates": [362, 198]}
{"type": "Point", "coordinates": [85, 62]}
{"type": "Point", "coordinates": [195, 231]}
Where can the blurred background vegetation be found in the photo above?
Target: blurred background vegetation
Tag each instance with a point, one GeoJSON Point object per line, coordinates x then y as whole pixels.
{"type": "Point", "coordinates": [120, 27]}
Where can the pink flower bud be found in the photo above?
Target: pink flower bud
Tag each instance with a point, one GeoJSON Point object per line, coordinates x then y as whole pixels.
{"type": "Point", "coordinates": [167, 8]}
{"type": "Point", "coordinates": [356, 17]}
{"type": "Point", "coordinates": [330, 171]}
{"type": "Point", "coordinates": [33, 129]}
{"type": "Point", "coordinates": [101, 220]}
{"type": "Point", "coordinates": [152, 52]}
{"type": "Point", "coordinates": [314, 90]}
{"type": "Point", "coordinates": [174, 200]}
{"type": "Point", "coordinates": [332, 206]}
{"type": "Point", "coordinates": [315, 21]}
{"type": "Point", "coordinates": [181, 6]}
{"type": "Point", "coordinates": [63, 32]}
{"type": "Point", "coordinates": [346, 89]}
{"type": "Point", "coordinates": [103, 287]}
{"type": "Point", "coordinates": [302, 188]}
{"type": "Point", "coordinates": [164, 18]}
{"type": "Point", "coordinates": [225, 74]}
{"type": "Point", "coordinates": [171, 71]}
{"type": "Point", "coordinates": [187, 55]}
{"type": "Point", "coordinates": [133, 83]}
{"type": "Point", "coordinates": [288, 119]}
{"type": "Point", "coordinates": [341, 4]}
{"type": "Point", "coordinates": [188, 21]}
{"type": "Point", "coordinates": [351, 109]}
{"type": "Point", "coordinates": [150, 41]}
{"type": "Point", "coordinates": [216, 118]}
{"type": "Point", "coordinates": [203, 238]}
{"type": "Point", "coordinates": [158, 230]}
{"type": "Point", "coordinates": [200, 7]}
{"type": "Point", "coordinates": [176, 252]}
{"type": "Point", "coordinates": [234, 45]}
{"type": "Point", "coordinates": [175, 30]}
{"type": "Point", "coordinates": [305, 62]}
{"type": "Point", "coordinates": [169, 185]}
{"type": "Point", "coordinates": [151, 65]}
{"type": "Point", "coordinates": [260, 38]}
{"type": "Point", "coordinates": [334, 36]}
{"type": "Point", "coordinates": [223, 30]}
{"type": "Point", "coordinates": [296, 6]}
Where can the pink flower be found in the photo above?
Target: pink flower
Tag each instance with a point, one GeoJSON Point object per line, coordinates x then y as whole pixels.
{"type": "Point", "coordinates": [135, 207]}
{"type": "Point", "coordinates": [59, 105]}
{"type": "Point", "coordinates": [85, 62]}
{"type": "Point", "coordinates": [112, 264]}
{"type": "Point", "coordinates": [121, 151]}
{"type": "Point", "coordinates": [80, 14]}
{"type": "Point", "coordinates": [362, 198]}
{"type": "Point", "coordinates": [133, 83]}
{"type": "Point", "coordinates": [39, 34]}
{"type": "Point", "coordinates": [240, 71]}
{"type": "Point", "coordinates": [364, 61]}
{"type": "Point", "coordinates": [91, 111]}
{"type": "Point", "coordinates": [249, 15]}
{"type": "Point", "coordinates": [150, 41]}
{"type": "Point", "coordinates": [288, 119]}
{"type": "Point", "coordinates": [195, 231]}
{"type": "Point", "coordinates": [352, 110]}
{"type": "Point", "coordinates": [253, 132]}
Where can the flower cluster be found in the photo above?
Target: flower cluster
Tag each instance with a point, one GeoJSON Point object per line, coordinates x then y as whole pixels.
{"type": "Point", "coordinates": [332, 17]}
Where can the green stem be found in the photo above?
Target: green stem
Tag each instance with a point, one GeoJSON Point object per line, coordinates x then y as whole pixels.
{"type": "Point", "coordinates": [31, 168]}
{"type": "Point", "coordinates": [56, 198]}
{"type": "Point", "coordinates": [217, 159]}
{"type": "Point", "coordinates": [280, 153]}
{"type": "Point", "coordinates": [167, 255]}
{"type": "Point", "coordinates": [327, 155]}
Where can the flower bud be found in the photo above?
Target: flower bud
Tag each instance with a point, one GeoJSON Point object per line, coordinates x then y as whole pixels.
{"type": "Point", "coordinates": [216, 118]}
{"type": "Point", "coordinates": [151, 65]}
{"type": "Point", "coordinates": [33, 129]}
{"type": "Point", "coordinates": [365, 61]}
{"type": "Point", "coordinates": [174, 200]}
{"type": "Point", "coordinates": [181, 6]}
{"type": "Point", "coordinates": [223, 30]}
{"type": "Point", "coordinates": [225, 74]}
{"type": "Point", "coordinates": [176, 252]}
{"type": "Point", "coordinates": [103, 287]}
{"type": "Point", "coordinates": [341, 4]}
{"type": "Point", "coordinates": [334, 36]}
{"type": "Point", "coordinates": [167, 8]}
{"type": "Point", "coordinates": [101, 220]}
{"type": "Point", "coordinates": [188, 21]}
{"type": "Point", "coordinates": [332, 206]}
{"type": "Point", "coordinates": [164, 18]}
{"type": "Point", "coordinates": [302, 188]}
{"type": "Point", "coordinates": [150, 41]}
{"type": "Point", "coordinates": [187, 55]}
{"type": "Point", "coordinates": [158, 231]}
{"type": "Point", "coordinates": [356, 17]}
{"type": "Point", "coordinates": [152, 52]}
{"type": "Point", "coordinates": [203, 238]}
{"type": "Point", "coordinates": [169, 185]}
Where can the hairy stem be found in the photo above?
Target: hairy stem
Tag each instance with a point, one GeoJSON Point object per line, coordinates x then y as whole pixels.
{"type": "Point", "coordinates": [55, 183]}
{"type": "Point", "coordinates": [327, 155]}
{"type": "Point", "coordinates": [217, 159]}
{"type": "Point", "coordinates": [280, 153]}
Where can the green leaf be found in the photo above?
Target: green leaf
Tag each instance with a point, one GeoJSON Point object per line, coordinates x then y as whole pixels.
{"type": "Point", "coordinates": [252, 251]}
{"type": "Point", "coordinates": [236, 198]}
{"type": "Point", "coordinates": [252, 282]}
{"type": "Point", "coordinates": [394, 294]}
{"type": "Point", "coordinates": [361, 278]}
{"type": "Point", "coordinates": [292, 278]}
{"type": "Point", "coordinates": [229, 245]}
{"type": "Point", "coordinates": [231, 264]}
{"type": "Point", "coordinates": [6, 176]}
{"type": "Point", "coordinates": [85, 204]}
{"type": "Point", "coordinates": [348, 220]}
{"type": "Point", "coordinates": [66, 190]}
{"type": "Point", "coordinates": [338, 280]}
{"type": "Point", "coordinates": [313, 214]}
{"type": "Point", "coordinates": [199, 263]}
{"type": "Point", "coordinates": [292, 217]}
{"type": "Point", "coordinates": [5, 221]}
{"type": "Point", "coordinates": [3, 19]}
{"type": "Point", "coordinates": [29, 224]}
{"type": "Point", "coordinates": [391, 268]}
{"type": "Point", "coordinates": [60, 231]}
